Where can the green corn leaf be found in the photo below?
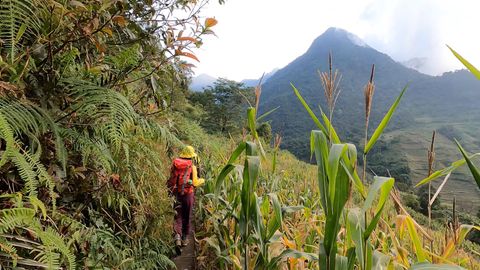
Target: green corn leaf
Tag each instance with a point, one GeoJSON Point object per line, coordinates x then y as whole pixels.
{"type": "Point", "coordinates": [307, 108]}
{"type": "Point", "coordinates": [467, 64]}
{"type": "Point", "coordinates": [251, 114]}
{"type": "Point", "coordinates": [258, 218]}
{"type": "Point", "coordinates": [355, 225]}
{"type": "Point", "coordinates": [221, 177]}
{"type": "Point", "coordinates": [319, 146]}
{"type": "Point", "coordinates": [351, 258]}
{"type": "Point", "coordinates": [381, 186]}
{"type": "Point", "coordinates": [421, 257]}
{"type": "Point", "coordinates": [471, 166]}
{"type": "Point", "coordinates": [266, 114]}
{"type": "Point", "coordinates": [386, 119]}
{"type": "Point", "coordinates": [336, 153]}
{"type": "Point", "coordinates": [276, 222]}
{"type": "Point", "coordinates": [429, 266]}
{"type": "Point", "coordinates": [251, 149]}
{"type": "Point", "coordinates": [252, 124]}
{"type": "Point", "coordinates": [236, 153]}
{"type": "Point", "coordinates": [330, 128]}
{"type": "Point", "coordinates": [455, 165]}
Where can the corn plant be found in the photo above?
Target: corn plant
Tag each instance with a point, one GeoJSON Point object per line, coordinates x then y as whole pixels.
{"type": "Point", "coordinates": [336, 163]}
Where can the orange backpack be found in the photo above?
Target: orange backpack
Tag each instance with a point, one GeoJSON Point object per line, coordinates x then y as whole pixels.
{"type": "Point", "coordinates": [179, 176]}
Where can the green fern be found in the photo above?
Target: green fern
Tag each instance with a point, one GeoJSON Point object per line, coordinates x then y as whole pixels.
{"type": "Point", "coordinates": [54, 241]}
{"type": "Point", "coordinates": [107, 109]}
{"type": "Point", "coordinates": [16, 18]}
{"type": "Point", "coordinates": [51, 241]}
{"type": "Point", "coordinates": [25, 118]}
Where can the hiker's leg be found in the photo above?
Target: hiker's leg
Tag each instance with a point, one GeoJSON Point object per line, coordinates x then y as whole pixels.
{"type": "Point", "coordinates": [177, 225]}
{"type": "Point", "coordinates": [187, 208]}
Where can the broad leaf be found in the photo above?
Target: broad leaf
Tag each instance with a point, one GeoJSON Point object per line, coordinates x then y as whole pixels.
{"type": "Point", "coordinates": [386, 119]}
{"type": "Point", "coordinates": [471, 166]}
{"type": "Point", "coordinates": [310, 112]}
{"type": "Point", "coordinates": [467, 64]}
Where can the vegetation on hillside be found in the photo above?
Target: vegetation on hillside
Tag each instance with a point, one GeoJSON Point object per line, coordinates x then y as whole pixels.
{"type": "Point", "coordinates": [93, 105]}
{"type": "Point", "coordinates": [264, 211]}
{"type": "Point", "coordinates": [89, 93]}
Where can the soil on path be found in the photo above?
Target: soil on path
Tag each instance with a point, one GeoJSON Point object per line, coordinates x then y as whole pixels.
{"type": "Point", "coordinates": [187, 259]}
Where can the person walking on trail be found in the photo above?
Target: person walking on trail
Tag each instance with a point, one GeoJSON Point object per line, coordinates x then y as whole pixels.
{"type": "Point", "coordinates": [182, 182]}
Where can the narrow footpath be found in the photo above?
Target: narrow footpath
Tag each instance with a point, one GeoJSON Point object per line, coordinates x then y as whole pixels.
{"type": "Point", "coordinates": [187, 259]}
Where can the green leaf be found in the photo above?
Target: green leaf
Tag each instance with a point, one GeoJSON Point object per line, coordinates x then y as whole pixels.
{"type": "Point", "coordinates": [471, 166]}
{"type": "Point", "coordinates": [336, 153]}
{"type": "Point", "coordinates": [355, 225]}
{"type": "Point", "coordinates": [381, 187]}
{"type": "Point", "coordinates": [429, 266]}
{"type": "Point", "coordinates": [310, 112]}
{"type": "Point", "coordinates": [455, 165]}
{"type": "Point", "coordinates": [421, 257]}
{"type": "Point", "coordinates": [221, 177]}
{"type": "Point", "coordinates": [330, 129]}
{"type": "Point", "coordinates": [276, 222]}
{"type": "Point", "coordinates": [236, 153]}
{"type": "Point", "coordinates": [267, 114]}
{"type": "Point", "coordinates": [251, 114]}
{"type": "Point", "coordinates": [386, 119]}
{"type": "Point", "coordinates": [467, 64]}
{"type": "Point", "coordinates": [319, 147]}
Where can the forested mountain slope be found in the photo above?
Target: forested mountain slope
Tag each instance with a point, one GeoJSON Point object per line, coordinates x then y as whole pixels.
{"type": "Point", "coordinates": [447, 103]}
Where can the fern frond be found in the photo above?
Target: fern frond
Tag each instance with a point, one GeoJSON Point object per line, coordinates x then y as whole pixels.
{"type": "Point", "coordinates": [107, 108]}
{"type": "Point", "coordinates": [54, 241]}
{"type": "Point", "coordinates": [38, 204]}
{"type": "Point", "coordinates": [6, 133]}
{"type": "Point", "coordinates": [17, 17]}
{"type": "Point", "coordinates": [9, 249]}
{"type": "Point", "coordinates": [26, 171]}
{"type": "Point", "coordinates": [25, 118]}
{"type": "Point", "coordinates": [15, 217]}
{"type": "Point", "coordinates": [93, 149]}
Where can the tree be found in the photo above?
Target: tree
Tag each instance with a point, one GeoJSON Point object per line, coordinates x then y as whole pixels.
{"type": "Point", "coordinates": [224, 104]}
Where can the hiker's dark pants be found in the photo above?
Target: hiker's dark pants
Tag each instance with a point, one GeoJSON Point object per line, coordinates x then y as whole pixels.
{"type": "Point", "coordinates": [183, 207]}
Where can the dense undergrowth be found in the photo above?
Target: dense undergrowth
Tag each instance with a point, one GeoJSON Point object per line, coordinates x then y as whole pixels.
{"type": "Point", "coordinates": [90, 97]}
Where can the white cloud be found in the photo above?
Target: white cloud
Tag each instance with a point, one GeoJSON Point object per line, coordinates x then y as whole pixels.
{"type": "Point", "coordinates": [256, 36]}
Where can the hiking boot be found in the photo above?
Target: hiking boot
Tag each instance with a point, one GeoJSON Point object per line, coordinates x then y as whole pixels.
{"type": "Point", "coordinates": [178, 241]}
{"type": "Point", "coordinates": [184, 241]}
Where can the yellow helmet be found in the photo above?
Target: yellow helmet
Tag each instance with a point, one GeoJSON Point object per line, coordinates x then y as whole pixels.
{"type": "Point", "coordinates": [188, 152]}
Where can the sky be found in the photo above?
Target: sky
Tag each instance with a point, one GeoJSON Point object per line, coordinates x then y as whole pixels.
{"type": "Point", "coordinates": [257, 36]}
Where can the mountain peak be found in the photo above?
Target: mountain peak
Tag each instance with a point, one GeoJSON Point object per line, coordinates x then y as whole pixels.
{"type": "Point", "coordinates": [335, 35]}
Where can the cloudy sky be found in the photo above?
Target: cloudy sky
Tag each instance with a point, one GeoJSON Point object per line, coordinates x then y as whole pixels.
{"type": "Point", "coordinates": [256, 36]}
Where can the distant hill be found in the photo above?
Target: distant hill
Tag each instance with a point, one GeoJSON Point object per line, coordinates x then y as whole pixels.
{"type": "Point", "coordinates": [201, 81]}
{"type": "Point", "coordinates": [254, 82]}
{"type": "Point", "coordinates": [448, 103]}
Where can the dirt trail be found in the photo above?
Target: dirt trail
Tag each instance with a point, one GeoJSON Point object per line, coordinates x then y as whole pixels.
{"type": "Point", "coordinates": [187, 259]}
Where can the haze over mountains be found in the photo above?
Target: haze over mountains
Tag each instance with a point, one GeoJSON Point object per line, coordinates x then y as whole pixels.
{"type": "Point", "coordinates": [204, 80]}
{"type": "Point", "coordinates": [448, 103]}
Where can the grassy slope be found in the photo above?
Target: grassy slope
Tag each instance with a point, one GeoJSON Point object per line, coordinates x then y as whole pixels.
{"type": "Point", "coordinates": [414, 142]}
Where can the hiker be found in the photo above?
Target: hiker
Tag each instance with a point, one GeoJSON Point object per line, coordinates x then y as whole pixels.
{"type": "Point", "coordinates": [181, 184]}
